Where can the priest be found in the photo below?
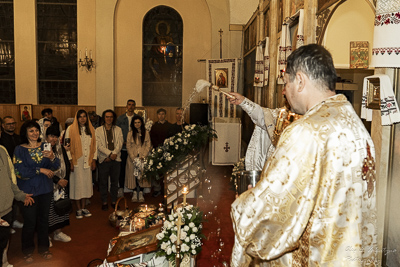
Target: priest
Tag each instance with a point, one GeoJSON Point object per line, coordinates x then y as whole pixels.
{"type": "Point", "coordinates": [315, 202]}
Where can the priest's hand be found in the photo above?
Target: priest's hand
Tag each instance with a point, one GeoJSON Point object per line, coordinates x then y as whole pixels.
{"type": "Point", "coordinates": [237, 100]}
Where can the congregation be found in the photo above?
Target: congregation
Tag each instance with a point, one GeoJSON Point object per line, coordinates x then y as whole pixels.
{"type": "Point", "coordinates": [44, 163]}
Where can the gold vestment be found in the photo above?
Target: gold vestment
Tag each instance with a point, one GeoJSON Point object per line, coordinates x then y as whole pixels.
{"type": "Point", "coordinates": [311, 206]}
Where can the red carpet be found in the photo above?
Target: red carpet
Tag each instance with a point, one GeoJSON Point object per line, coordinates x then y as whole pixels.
{"type": "Point", "coordinates": [90, 236]}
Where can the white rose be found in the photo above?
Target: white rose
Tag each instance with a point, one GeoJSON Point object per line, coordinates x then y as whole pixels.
{"type": "Point", "coordinates": [159, 150]}
{"type": "Point", "coordinates": [164, 245]}
{"type": "Point", "coordinates": [160, 236]}
{"type": "Point", "coordinates": [173, 238]}
{"type": "Point", "coordinates": [193, 252]}
{"type": "Point", "coordinates": [187, 239]}
{"type": "Point", "coordinates": [186, 228]}
{"type": "Point", "coordinates": [151, 162]}
{"type": "Point", "coordinates": [169, 251]}
{"type": "Point", "coordinates": [176, 146]}
{"type": "Point", "coordinates": [171, 143]}
{"type": "Point", "coordinates": [171, 217]}
{"type": "Point", "coordinates": [183, 235]}
{"type": "Point", "coordinates": [187, 127]}
{"type": "Point", "coordinates": [193, 246]}
{"type": "Point", "coordinates": [192, 236]}
{"type": "Point", "coordinates": [191, 225]}
{"type": "Point", "coordinates": [184, 247]}
{"type": "Point", "coordinates": [190, 216]}
{"type": "Point", "coordinates": [195, 229]}
{"type": "Point", "coordinates": [174, 248]}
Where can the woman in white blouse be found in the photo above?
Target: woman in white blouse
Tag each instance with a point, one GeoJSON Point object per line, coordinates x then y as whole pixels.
{"type": "Point", "coordinates": [82, 156]}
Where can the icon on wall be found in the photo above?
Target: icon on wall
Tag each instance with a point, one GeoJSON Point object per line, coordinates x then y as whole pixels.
{"type": "Point", "coordinates": [25, 111]}
{"type": "Point", "coordinates": [359, 55]}
{"type": "Point", "coordinates": [221, 78]}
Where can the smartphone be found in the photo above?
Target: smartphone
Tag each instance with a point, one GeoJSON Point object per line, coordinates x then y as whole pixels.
{"type": "Point", "coordinates": [47, 147]}
{"type": "Point", "coordinates": [67, 141]}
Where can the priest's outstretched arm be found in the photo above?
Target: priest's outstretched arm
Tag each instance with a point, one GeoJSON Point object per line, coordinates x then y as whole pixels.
{"type": "Point", "coordinates": [265, 118]}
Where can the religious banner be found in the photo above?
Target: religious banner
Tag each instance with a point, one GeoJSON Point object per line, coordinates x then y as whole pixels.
{"type": "Point", "coordinates": [284, 51]}
{"type": "Point", "coordinates": [259, 68]}
{"type": "Point", "coordinates": [266, 61]}
{"type": "Point", "coordinates": [223, 73]}
{"type": "Point", "coordinates": [300, 30]}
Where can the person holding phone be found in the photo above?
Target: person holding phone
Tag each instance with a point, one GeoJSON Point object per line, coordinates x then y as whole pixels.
{"type": "Point", "coordinates": [60, 182]}
{"type": "Point", "coordinates": [34, 168]}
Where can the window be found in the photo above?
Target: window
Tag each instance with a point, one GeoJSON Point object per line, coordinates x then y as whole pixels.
{"type": "Point", "coordinates": [57, 46]}
{"type": "Point", "coordinates": [162, 57]}
{"type": "Point", "coordinates": [7, 65]}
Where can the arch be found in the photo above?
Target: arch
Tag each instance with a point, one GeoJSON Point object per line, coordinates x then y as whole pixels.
{"type": "Point", "coordinates": [162, 57]}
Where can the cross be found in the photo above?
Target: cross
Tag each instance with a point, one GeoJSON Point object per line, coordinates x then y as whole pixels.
{"type": "Point", "coordinates": [227, 147]}
{"type": "Point", "coordinates": [220, 42]}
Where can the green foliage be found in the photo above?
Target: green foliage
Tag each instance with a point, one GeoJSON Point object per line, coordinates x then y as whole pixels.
{"type": "Point", "coordinates": [164, 158]}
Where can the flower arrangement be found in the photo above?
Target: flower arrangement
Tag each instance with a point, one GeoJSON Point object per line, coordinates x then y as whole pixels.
{"type": "Point", "coordinates": [190, 233]}
{"type": "Point", "coordinates": [164, 158]}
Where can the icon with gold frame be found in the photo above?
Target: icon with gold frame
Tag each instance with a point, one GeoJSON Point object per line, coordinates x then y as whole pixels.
{"type": "Point", "coordinates": [140, 242]}
{"type": "Point", "coordinates": [373, 93]}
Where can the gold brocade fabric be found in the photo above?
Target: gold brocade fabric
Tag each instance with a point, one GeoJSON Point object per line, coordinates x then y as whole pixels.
{"type": "Point", "coordinates": [311, 205]}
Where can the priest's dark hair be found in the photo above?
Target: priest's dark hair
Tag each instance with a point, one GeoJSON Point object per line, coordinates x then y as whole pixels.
{"type": "Point", "coordinates": [314, 61]}
{"type": "Point", "coordinates": [103, 116]}
{"type": "Point", "coordinates": [135, 132]}
{"type": "Point", "coordinates": [53, 129]}
{"type": "Point", "coordinates": [23, 132]}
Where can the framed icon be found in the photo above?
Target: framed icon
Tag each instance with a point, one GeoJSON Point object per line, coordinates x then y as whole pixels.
{"type": "Point", "coordinates": [25, 111]}
{"type": "Point", "coordinates": [221, 78]}
{"type": "Point", "coordinates": [131, 245]}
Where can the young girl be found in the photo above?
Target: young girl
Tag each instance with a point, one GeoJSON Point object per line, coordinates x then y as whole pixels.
{"type": "Point", "coordinates": [138, 145]}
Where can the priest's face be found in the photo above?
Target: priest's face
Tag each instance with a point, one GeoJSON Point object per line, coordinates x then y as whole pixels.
{"type": "Point", "coordinates": [291, 93]}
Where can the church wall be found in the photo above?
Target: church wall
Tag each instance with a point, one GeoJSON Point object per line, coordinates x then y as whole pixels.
{"type": "Point", "coordinates": [128, 33]}
{"type": "Point", "coordinates": [86, 30]}
{"type": "Point", "coordinates": [352, 21]}
{"type": "Point", "coordinates": [25, 52]}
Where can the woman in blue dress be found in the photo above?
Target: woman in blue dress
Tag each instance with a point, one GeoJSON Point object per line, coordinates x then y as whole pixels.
{"type": "Point", "coordinates": [34, 164]}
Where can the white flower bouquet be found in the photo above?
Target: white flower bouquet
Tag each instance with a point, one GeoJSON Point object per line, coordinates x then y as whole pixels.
{"type": "Point", "coordinates": [164, 158]}
{"type": "Point", "coordinates": [190, 233]}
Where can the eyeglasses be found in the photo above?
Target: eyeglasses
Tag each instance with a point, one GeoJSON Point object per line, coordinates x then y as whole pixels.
{"type": "Point", "coordinates": [9, 124]}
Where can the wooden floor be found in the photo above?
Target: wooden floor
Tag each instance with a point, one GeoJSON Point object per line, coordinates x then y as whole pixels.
{"type": "Point", "coordinates": [90, 236]}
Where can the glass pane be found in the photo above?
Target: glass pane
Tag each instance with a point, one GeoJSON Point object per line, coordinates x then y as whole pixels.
{"type": "Point", "coordinates": [162, 57]}
{"type": "Point", "coordinates": [7, 66]}
{"type": "Point", "coordinates": [58, 92]}
{"type": "Point", "coordinates": [57, 51]}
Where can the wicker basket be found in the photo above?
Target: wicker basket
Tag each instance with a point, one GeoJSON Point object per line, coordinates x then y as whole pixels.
{"type": "Point", "coordinates": [119, 215]}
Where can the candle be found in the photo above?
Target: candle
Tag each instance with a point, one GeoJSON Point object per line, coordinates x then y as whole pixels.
{"type": "Point", "coordinates": [80, 54]}
{"type": "Point", "coordinates": [184, 192]}
{"type": "Point", "coordinates": [86, 53]}
{"type": "Point", "coordinates": [179, 223]}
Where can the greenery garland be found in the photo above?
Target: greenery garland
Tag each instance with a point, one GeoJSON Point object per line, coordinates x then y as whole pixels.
{"type": "Point", "coordinates": [164, 158]}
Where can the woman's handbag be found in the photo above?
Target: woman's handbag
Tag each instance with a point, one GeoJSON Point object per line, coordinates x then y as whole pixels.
{"type": "Point", "coordinates": [120, 218]}
{"type": "Point", "coordinates": [62, 203]}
